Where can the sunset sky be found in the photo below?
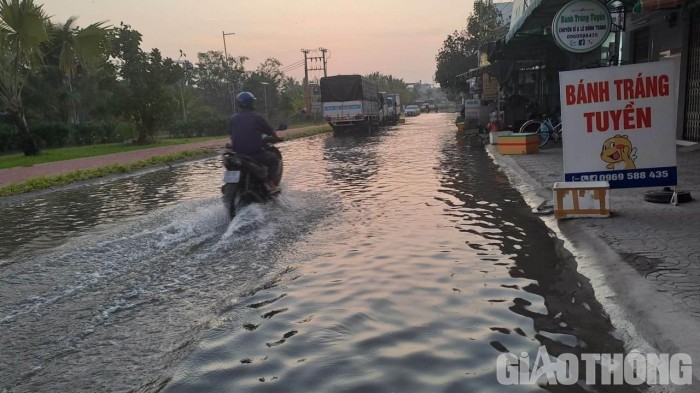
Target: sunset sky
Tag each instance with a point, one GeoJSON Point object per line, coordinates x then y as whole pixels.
{"type": "Point", "coordinates": [400, 38]}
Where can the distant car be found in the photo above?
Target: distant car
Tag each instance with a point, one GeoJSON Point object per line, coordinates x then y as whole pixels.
{"type": "Point", "coordinates": [412, 110]}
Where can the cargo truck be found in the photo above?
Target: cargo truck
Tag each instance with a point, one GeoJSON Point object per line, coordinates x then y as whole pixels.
{"type": "Point", "coordinates": [389, 108]}
{"type": "Point", "coordinates": [383, 109]}
{"type": "Point", "coordinates": [350, 102]}
{"type": "Point", "coordinates": [393, 104]}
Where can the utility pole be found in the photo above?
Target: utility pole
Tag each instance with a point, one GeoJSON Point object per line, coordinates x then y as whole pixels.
{"type": "Point", "coordinates": [229, 84]}
{"type": "Point", "coordinates": [322, 59]}
{"type": "Point", "coordinates": [306, 82]}
{"type": "Point", "coordinates": [323, 52]}
{"type": "Point", "coordinates": [182, 84]}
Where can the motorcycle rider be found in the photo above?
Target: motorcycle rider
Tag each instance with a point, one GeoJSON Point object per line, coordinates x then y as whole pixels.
{"type": "Point", "coordinates": [246, 129]}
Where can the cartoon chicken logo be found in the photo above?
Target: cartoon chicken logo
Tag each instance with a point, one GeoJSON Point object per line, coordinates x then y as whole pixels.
{"type": "Point", "coordinates": [618, 151]}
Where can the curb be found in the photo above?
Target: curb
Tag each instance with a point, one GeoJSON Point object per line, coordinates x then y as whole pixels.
{"type": "Point", "coordinates": [212, 144]}
{"type": "Point", "coordinates": [8, 200]}
{"type": "Point", "coordinates": [648, 320]}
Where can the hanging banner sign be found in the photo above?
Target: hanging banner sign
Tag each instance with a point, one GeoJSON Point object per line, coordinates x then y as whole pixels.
{"type": "Point", "coordinates": [472, 109]}
{"type": "Point", "coordinates": [581, 26]}
{"type": "Point", "coordinates": [490, 87]}
{"type": "Point", "coordinates": [619, 124]}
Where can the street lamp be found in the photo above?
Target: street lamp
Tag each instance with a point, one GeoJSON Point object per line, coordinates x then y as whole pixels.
{"type": "Point", "coordinates": [228, 73]}
{"type": "Point", "coordinates": [265, 93]}
{"type": "Point", "coordinates": [182, 85]}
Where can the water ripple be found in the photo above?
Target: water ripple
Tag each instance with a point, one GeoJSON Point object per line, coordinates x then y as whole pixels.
{"type": "Point", "coordinates": [396, 262]}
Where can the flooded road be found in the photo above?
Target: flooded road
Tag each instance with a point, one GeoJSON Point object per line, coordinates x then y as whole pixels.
{"type": "Point", "coordinates": [397, 262]}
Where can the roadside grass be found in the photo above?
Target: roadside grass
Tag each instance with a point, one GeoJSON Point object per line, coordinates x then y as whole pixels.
{"type": "Point", "coordinates": [69, 153]}
{"type": "Point", "coordinates": [44, 182]}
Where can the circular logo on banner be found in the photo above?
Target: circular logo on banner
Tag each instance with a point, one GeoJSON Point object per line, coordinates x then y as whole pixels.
{"type": "Point", "coordinates": [581, 26]}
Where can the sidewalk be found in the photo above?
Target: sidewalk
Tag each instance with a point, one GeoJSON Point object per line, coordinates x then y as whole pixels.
{"type": "Point", "coordinates": [647, 253]}
{"type": "Point", "coordinates": [21, 174]}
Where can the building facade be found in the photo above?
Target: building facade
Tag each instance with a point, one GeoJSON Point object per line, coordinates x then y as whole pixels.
{"type": "Point", "coordinates": [527, 61]}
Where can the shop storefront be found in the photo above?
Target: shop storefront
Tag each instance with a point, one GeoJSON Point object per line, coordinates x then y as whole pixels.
{"type": "Point", "coordinates": [691, 80]}
{"type": "Point", "coordinates": [641, 31]}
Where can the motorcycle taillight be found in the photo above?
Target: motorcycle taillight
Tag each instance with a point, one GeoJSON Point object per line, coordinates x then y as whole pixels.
{"type": "Point", "coordinates": [231, 162]}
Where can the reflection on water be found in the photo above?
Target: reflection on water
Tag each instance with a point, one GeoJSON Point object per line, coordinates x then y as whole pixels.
{"type": "Point", "coordinates": [434, 268]}
{"type": "Point", "coordinates": [352, 162]}
{"type": "Point", "coordinates": [397, 262]}
{"type": "Point", "coordinates": [47, 220]}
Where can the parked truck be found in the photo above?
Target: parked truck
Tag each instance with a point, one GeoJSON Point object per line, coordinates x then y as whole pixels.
{"type": "Point", "coordinates": [383, 109]}
{"type": "Point", "coordinates": [350, 102]}
{"type": "Point", "coordinates": [393, 104]}
{"type": "Point", "coordinates": [389, 108]}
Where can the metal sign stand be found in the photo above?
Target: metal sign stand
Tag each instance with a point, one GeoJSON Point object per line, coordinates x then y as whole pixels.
{"type": "Point", "coordinates": [674, 197]}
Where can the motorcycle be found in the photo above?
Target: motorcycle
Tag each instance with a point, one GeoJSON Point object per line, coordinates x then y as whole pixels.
{"type": "Point", "coordinates": [245, 177]}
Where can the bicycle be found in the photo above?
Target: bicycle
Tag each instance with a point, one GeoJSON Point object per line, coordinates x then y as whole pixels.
{"type": "Point", "coordinates": [545, 128]}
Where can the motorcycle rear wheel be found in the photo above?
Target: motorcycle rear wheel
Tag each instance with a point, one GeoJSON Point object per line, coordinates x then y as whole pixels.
{"type": "Point", "coordinates": [278, 178]}
{"type": "Point", "coordinates": [231, 198]}
{"type": "Point", "coordinates": [280, 168]}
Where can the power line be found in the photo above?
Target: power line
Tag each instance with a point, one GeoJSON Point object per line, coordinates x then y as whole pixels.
{"type": "Point", "coordinates": [322, 59]}
{"type": "Point", "coordinates": [296, 62]}
{"type": "Point", "coordinates": [292, 66]}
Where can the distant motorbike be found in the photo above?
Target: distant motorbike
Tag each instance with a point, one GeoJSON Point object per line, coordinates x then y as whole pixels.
{"type": "Point", "coordinates": [245, 177]}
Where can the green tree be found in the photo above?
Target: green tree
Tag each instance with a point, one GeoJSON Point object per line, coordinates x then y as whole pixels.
{"type": "Point", "coordinates": [70, 54]}
{"type": "Point", "coordinates": [77, 49]}
{"type": "Point", "coordinates": [99, 91]}
{"type": "Point", "coordinates": [456, 56]}
{"type": "Point", "coordinates": [150, 100]}
{"type": "Point", "coordinates": [24, 29]}
{"type": "Point", "coordinates": [460, 49]}
{"type": "Point", "coordinates": [270, 70]}
{"type": "Point", "coordinates": [265, 83]}
{"type": "Point", "coordinates": [485, 24]}
{"type": "Point", "coordinates": [291, 97]}
{"type": "Point", "coordinates": [389, 84]}
{"type": "Point", "coordinates": [90, 96]}
{"type": "Point", "coordinates": [215, 79]}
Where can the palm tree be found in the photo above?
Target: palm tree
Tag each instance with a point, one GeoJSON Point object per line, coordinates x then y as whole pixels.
{"type": "Point", "coordinates": [76, 48]}
{"type": "Point", "coordinates": [24, 30]}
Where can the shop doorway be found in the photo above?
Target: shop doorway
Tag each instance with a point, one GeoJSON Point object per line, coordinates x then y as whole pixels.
{"type": "Point", "coordinates": [691, 131]}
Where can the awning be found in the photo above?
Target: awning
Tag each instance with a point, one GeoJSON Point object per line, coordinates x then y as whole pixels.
{"type": "Point", "coordinates": [532, 17]}
{"type": "Point", "coordinates": [473, 73]}
{"type": "Point", "coordinates": [535, 17]}
{"type": "Point", "coordinates": [652, 5]}
{"type": "Point", "coordinates": [501, 70]}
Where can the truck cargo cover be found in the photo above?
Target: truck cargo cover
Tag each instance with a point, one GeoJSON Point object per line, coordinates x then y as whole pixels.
{"type": "Point", "coordinates": [347, 88]}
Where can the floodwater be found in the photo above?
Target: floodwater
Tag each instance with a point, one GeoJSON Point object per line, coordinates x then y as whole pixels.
{"type": "Point", "coordinates": [401, 261]}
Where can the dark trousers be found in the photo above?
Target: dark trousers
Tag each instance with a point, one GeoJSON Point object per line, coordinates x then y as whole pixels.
{"type": "Point", "coordinates": [270, 160]}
